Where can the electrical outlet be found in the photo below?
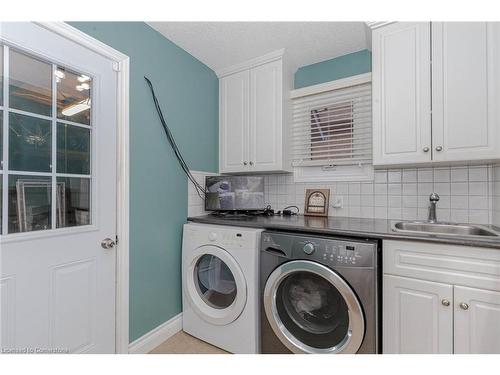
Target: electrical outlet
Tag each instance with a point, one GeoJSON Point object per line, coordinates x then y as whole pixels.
{"type": "Point", "coordinates": [338, 202]}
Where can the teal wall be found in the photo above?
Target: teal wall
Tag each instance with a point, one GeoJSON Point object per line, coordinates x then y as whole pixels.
{"type": "Point", "coordinates": [188, 93]}
{"type": "Point", "coordinates": [330, 70]}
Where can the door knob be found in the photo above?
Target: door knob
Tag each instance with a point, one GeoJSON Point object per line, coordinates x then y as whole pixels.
{"type": "Point", "coordinates": [251, 163]}
{"type": "Point", "coordinates": [426, 149]}
{"type": "Point", "coordinates": [245, 163]}
{"type": "Point", "coordinates": [445, 302]}
{"type": "Point", "coordinates": [107, 243]}
{"type": "Point", "coordinates": [464, 306]}
{"type": "Point", "coordinates": [439, 148]}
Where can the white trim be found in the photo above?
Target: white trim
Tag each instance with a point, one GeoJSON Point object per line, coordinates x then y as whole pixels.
{"type": "Point", "coordinates": [272, 56]}
{"type": "Point", "coordinates": [122, 65]}
{"type": "Point", "coordinates": [156, 336]}
{"type": "Point", "coordinates": [69, 32]}
{"type": "Point", "coordinates": [376, 24]}
{"type": "Point", "coordinates": [332, 85]}
{"type": "Point", "coordinates": [339, 173]}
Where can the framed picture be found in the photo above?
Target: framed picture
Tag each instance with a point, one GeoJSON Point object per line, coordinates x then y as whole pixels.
{"type": "Point", "coordinates": [33, 204]}
{"type": "Point", "coordinates": [317, 202]}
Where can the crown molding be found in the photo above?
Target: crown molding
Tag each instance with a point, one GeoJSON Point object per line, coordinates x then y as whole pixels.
{"type": "Point", "coordinates": [272, 56]}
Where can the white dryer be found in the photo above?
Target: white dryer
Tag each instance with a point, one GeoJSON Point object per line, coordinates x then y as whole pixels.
{"type": "Point", "coordinates": [220, 294]}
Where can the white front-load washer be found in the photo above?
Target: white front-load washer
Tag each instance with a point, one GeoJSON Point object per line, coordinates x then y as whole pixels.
{"type": "Point", "coordinates": [220, 291]}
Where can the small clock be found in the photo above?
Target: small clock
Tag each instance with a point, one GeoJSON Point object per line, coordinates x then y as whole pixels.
{"type": "Point", "coordinates": [317, 201]}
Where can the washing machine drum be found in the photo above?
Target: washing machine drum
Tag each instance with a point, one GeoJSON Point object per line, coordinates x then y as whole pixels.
{"type": "Point", "coordinates": [215, 285]}
{"type": "Point", "coordinates": [311, 309]}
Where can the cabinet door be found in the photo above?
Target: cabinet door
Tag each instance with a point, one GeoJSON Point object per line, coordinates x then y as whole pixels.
{"type": "Point", "coordinates": [233, 137]}
{"type": "Point", "coordinates": [416, 319]}
{"type": "Point", "coordinates": [477, 321]}
{"type": "Point", "coordinates": [401, 93]}
{"type": "Point", "coordinates": [266, 100]}
{"type": "Point", "coordinates": [465, 81]}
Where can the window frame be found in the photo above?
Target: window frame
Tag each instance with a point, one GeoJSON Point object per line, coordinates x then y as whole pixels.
{"type": "Point", "coordinates": [308, 173]}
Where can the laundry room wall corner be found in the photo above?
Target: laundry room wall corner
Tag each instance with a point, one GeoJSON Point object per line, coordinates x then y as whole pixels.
{"type": "Point", "coordinates": [188, 94]}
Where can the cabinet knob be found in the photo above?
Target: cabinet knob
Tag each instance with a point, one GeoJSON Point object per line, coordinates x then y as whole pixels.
{"type": "Point", "coordinates": [445, 302]}
{"type": "Point", "coordinates": [439, 148]}
{"type": "Point", "coordinates": [426, 149]}
{"type": "Point", "coordinates": [245, 163]}
{"type": "Point", "coordinates": [464, 306]}
{"type": "Point", "coordinates": [251, 163]}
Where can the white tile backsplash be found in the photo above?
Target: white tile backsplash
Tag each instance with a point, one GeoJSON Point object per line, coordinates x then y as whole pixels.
{"type": "Point", "coordinates": [495, 194]}
{"type": "Point", "coordinates": [196, 205]}
{"type": "Point", "coordinates": [466, 194]}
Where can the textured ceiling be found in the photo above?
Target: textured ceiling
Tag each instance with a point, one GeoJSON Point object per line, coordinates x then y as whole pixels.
{"type": "Point", "coordinates": [223, 44]}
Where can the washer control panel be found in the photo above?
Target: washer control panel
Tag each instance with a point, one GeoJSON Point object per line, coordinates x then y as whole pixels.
{"type": "Point", "coordinates": [329, 251]}
{"type": "Point", "coordinates": [309, 248]}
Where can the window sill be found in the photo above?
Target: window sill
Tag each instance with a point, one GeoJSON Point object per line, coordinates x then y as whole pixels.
{"type": "Point", "coordinates": [338, 173]}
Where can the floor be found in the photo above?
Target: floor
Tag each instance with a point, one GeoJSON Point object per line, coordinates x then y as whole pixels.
{"type": "Point", "coordinates": [182, 343]}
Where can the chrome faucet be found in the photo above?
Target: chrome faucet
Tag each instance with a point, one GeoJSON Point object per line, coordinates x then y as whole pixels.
{"type": "Point", "coordinates": [433, 198]}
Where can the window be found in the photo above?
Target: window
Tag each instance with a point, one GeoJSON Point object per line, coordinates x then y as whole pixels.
{"type": "Point", "coordinates": [45, 144]}
{"type": "Point", "coordinates": [332, 131]}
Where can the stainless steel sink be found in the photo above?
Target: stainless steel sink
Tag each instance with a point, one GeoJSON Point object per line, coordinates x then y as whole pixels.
{"type": "Point", "coordinates": [449, 229]}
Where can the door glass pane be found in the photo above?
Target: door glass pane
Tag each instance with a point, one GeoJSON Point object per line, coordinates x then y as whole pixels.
{"type": "Point", "coordinates": [73, 149]}
{"type": "Point", "coordinates": [312, 309]}
{"type": "Point", "coordinates": [29, 203]}
{"type": "Point", "coordinates": [30, 142]}
{"type": "Point", "coordinates": [30, 84]}
{"type": "Point", "coordinates": [73, 96]}
{"type": "Point", "coordinates": [215, 282]}
{"type": "Point", "coordinates": [73, 203]}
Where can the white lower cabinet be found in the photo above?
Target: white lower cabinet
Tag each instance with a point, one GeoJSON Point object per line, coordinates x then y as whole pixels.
{"type": "Point", "coordinates": [477, 321]}
{"type": "Point", "coordinates": [416, 319]}
{"type": "Point", "coordinates": [440, 298]}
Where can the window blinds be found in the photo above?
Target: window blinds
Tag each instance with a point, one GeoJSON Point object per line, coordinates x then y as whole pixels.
{"type": "Point", "coordinates": [333, 127]}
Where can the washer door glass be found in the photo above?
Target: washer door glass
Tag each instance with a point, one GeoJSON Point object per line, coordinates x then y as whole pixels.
{"type": "Point", "coordinates": [312, 309]}
{"type": "Point", "coordinates": [215, 282]}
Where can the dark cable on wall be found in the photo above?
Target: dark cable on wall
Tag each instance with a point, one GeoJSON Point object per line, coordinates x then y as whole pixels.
{"type": "Point", "coordinates": [200, 190]}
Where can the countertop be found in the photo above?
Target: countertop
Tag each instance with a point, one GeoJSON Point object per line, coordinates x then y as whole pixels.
{"type": "Point", "coordinates": [340, 226]}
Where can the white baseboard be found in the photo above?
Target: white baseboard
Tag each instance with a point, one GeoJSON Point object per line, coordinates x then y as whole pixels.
{"type": "Point", "coordinates": [156, 336]}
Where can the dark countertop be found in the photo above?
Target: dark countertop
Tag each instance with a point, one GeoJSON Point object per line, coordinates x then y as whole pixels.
{"type": "Point", "coordinates": [340, 226]}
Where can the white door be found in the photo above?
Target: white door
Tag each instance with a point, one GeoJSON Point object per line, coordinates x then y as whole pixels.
{"type": "Point", "coordinates": [465, 94]}
{"type": "Point", "coordinates": [233, 139]}
{"type": "Point", "coordinates": [266, 117]}
{"type": "Point", "coordinates": [417, 316]}
{"type": "Point", "coordinates": [401, 93]}
{"type": "Point", "coordinates": [58, 194]}
{"type": "Point", "coordinates": [477, 321]}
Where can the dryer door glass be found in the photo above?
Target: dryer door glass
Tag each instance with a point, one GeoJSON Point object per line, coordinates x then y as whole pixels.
{"type": "Point", "coordinates": [312, 309]}
{"type": "Point", "coordinates": [215, 282]}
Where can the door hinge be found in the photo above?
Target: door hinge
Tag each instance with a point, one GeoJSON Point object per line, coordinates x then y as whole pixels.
{"type": "Point", "coordinates": [117, 66]}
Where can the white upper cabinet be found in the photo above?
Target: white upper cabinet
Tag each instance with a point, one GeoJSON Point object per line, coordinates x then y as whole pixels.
{"type": "Point", "coordinates": [254, 103]}
{"type": "Point", "coordinates": [462, 120]}
{"type": "Point", "coordinates": [401, 93]}
{"type": "Point", "coordinates": [465, 84]}
{"type": "Point", "coordinates": [266, 116]}
{"type": "Point", "coordinates": [233, 127]}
